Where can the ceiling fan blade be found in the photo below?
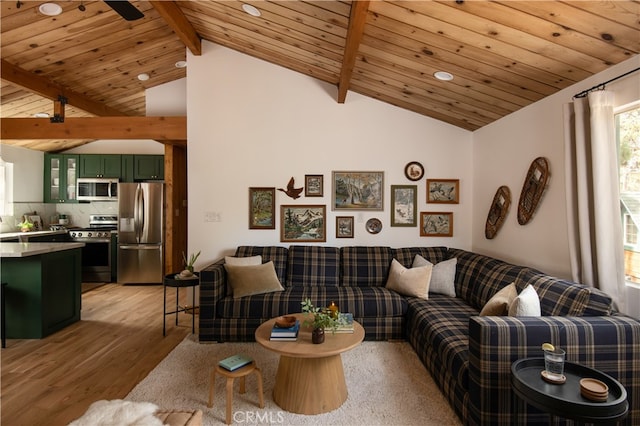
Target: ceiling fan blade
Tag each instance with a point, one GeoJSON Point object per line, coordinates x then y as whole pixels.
{"type": "Point", "coordinates": [125, 9]}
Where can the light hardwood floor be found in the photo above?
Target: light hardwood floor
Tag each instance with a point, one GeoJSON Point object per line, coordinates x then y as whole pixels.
{"type": "Point", "coordinates": [119, 340]}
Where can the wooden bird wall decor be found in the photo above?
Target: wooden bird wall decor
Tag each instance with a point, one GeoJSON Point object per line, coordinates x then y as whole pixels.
{"type": "Point", "coordinates": [291, 191]}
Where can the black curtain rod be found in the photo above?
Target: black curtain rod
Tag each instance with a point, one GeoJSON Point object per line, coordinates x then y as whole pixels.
{"type": "Point", "coordinates": [602, 85]}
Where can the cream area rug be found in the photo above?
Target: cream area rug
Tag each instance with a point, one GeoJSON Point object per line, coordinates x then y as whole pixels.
{"type": "Point", "coordinates": [387, 385]}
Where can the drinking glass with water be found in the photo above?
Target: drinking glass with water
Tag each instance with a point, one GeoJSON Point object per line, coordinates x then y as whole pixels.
{"type": "Point", "coordinates": [553, 362]}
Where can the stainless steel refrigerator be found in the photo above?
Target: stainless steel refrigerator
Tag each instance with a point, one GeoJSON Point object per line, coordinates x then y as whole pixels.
{"type": "Point", "coordinates": [140, 232]}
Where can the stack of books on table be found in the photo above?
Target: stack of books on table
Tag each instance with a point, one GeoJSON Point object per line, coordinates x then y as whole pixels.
{"type": "Point", "coordinates": [345, 323]}
{"type": "Point", "coordinates": [285, 334]}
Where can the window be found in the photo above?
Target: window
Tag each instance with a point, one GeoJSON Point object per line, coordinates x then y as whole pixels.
{"type": "Point", "coordinates": [630, 231]}
{"type": "Point", "coordinates": [628, 139]}
{"type": "Point", "coordinates": [6, 188]}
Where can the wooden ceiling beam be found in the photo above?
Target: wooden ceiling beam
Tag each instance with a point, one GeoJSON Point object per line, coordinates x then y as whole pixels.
{"type": "Point", "coordinates": [52, 90]}
{"type": "Point", "coordinates": [175, 18]}
{"type": "Point", "coordinates": [169, 129]}
{"type": "Point", "coordinates": [357, 19]}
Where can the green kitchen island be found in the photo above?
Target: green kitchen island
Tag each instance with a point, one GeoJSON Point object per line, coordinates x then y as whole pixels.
{"type": "Point", "coordinates": [43, 293]}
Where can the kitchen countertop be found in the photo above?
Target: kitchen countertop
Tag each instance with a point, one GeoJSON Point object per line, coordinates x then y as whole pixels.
{"type": "Point", "coordinates": [12, 250]}
{"type": "Point", "coordinates": [22, 236]}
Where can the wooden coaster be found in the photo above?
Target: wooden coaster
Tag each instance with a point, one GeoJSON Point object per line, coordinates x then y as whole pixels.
{"type": "Point", "coordinates": [552, 380]}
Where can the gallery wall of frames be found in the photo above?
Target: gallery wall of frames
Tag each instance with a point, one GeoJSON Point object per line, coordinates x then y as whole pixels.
{"type": "Point", "coordinates": [300, 220]}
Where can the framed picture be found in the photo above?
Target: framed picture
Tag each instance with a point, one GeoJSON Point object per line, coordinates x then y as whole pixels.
{"type": "Point", "coordinates": [436, 224]}
{"type": "Point", "coordinates": [404, 199]}
{"type": "Point", "coordinates": [313, 185]}
{"type": "Point", "coordinates": [358, 190]}
{"type": "Point", "coordinates": [262, 208]}
{"type": "Point", "coordinates": [443, 191]}
{"type": "Point", "coordinates": [303, 223]}
{"type": "Point", "coordinates": [414, 171]}
{"type": "Point", "coordinates": [344, 226]}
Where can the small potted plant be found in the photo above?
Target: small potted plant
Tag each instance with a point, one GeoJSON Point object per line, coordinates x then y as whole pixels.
{"type": "Point", "coordinates": [188, 264]}
{"type": "Point", "coordinates": [321, 320]}
{"type": "Point", "coordinates": [25, 226]}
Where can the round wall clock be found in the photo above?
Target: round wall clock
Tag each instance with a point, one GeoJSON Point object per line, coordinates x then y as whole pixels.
{"type": "Point", "coordinates": [414, 171]}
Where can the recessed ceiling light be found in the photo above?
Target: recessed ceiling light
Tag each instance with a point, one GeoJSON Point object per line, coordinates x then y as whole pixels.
{"type": "Point", "coordinates": [143, 76]}
{"type": "Point", "coordinates": [50, 9]}
{"type": "Point", "coordinates": [181, 64]}
{"type": "Point", "coordinates": [443, 75]}
{"type": "Point", "coordinates": [41, 115]}
{"type": "Point", "coordinates": [251, 10]}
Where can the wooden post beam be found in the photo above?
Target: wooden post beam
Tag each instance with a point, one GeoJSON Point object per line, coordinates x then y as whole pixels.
{"type": "Point", "coordinates": [357, 20]}
{"type": "Point", "coordinates": [170, 129]}
{"type": "Point", "coordinates": [173, 16]}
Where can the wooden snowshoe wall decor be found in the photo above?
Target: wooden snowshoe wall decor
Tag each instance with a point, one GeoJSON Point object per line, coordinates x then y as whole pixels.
{"type": "Point", "coordinates": [532, 190]}
{"type": "Point", "coordinates": [498, 212]}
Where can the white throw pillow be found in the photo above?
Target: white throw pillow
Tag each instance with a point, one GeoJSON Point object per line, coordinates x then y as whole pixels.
{"type": "Point", "coordinates": [252, 279]}
{"type": "Point", "coordinates": [527, 304]}
{"type": "Point", "coordinates": [243, 261]}
{"type": "Point", "coordinates": [442, 277]}
{"type": "Point", "coordinates": [409, 282]}
{"type": "Point", "coordinates": [499, 304]}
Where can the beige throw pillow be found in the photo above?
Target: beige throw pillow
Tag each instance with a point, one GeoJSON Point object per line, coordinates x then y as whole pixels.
{"type": "Point", "coordinates": [409, 282]}
{"type": "Point", "coordinates": [527, 304]}
{"type": "Point", "coordinates": [443, 275]}
{"type": "Point", "coordinates": [499, 304]}
{"type": "Point", "coordinates": [253, 279]}
{"type": "Point", "coordinates": [243, 261]}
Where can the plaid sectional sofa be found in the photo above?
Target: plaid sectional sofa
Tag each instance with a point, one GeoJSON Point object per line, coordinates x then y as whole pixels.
{"type": "Point", "coordinates": [468, 356]}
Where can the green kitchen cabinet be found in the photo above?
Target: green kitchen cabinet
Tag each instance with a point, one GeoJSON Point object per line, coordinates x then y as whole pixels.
{"type": "Point", "coordinates": [126, 170]}
{"type": "Point", "coordinates": [60, 178]}
{"type": "Point", "coordinates": [43, 293]}
{"type": "Point", "coordinates": [100, 166]}
{"type": "Point", "coordinates": [148, 167]}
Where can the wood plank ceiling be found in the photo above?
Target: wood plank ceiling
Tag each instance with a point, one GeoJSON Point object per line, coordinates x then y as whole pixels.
{"type": "Point", "coordinates": [503, 55]}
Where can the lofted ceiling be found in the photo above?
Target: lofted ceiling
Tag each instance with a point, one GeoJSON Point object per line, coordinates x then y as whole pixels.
{"type": "Point", "coordinates": [503, 55]}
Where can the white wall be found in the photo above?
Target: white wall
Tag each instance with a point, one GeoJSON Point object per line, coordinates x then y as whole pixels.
{"type": "Point", "coordinates": [503, 152]}
{"type": "Point", "coordinates": [252, 124]}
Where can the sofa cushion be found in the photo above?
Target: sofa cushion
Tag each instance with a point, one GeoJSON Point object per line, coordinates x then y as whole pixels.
{"type": "Point", "coordinates": [442, 277]}
{"type": "Point", "coordinates": [409, 281]}
{"type": "Point", "coordinates": [526, 304]}
{"type": "Point", "coordinates": [406, 255]}
{"type": "Point", "coordinates": [438, 330]}
{"type": "Point", "coordinates": [479, 277]}
{"type": "Point", "coordinates": [313, 266]}
{"type": "Point", "coordinates": [252, 279]}
{"type": "Point", "coordinates": [369, 302]}
{"type": "Point", "coordinates": [279, 256]}
{"type": "Point", "coordinates": [499, 304]}
{"type": "Point", "coordinates": [557, 296]}
{"type": "Point", "coordinates": [365, 266]}
{"type": "Point", "coordinates": [243, 261]}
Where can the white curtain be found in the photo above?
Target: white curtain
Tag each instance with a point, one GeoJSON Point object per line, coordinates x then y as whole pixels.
{"type": "Point", "coordinates": [593, 201]}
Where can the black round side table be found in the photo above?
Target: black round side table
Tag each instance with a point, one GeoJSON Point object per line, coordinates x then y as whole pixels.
{"type": "Point", "coordinates": [565, 400]}
{"type": "Point", "coordinates": [171, 281]}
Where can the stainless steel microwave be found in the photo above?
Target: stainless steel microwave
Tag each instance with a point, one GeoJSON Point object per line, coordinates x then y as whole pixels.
{"type": "Point", "coordinates": [97, 189]}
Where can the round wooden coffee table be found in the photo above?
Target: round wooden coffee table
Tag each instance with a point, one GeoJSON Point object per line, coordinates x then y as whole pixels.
{"type": "Point", "coordinates": [310, 377]}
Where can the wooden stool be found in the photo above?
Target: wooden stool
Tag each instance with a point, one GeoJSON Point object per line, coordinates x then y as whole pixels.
{"type": "Point", "coordinates": [231, 376]}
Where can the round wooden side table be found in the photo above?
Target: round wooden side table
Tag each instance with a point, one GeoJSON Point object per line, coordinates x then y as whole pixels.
{"type": "Point", "coordinates": [171, 281]}
{"type": "Point", "coordinates": [565, 400]}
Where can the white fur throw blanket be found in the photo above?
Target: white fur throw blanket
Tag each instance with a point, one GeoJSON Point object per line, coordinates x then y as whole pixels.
{"type": "Point", "coordinates": [119, 413]}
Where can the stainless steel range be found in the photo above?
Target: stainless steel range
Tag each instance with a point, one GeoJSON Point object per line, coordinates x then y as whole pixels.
{"type": "Point", "coordinates": [96, 253]}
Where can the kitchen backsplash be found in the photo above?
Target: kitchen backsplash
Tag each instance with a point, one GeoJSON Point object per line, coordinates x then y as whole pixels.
{"type": "Point", "coordinates": [78, 214]}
